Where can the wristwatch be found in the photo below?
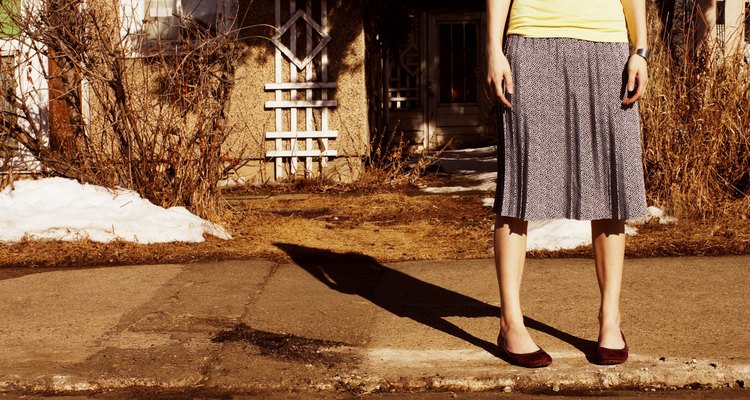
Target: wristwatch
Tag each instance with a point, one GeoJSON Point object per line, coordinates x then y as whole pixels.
{"type": "Point", "coordinates": [645, 53]}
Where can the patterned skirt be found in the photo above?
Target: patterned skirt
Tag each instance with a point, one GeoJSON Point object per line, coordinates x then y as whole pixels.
{"type": "Point", "coordinates": [569, 148]}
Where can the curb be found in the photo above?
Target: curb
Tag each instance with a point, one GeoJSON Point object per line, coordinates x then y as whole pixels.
{"type": "Point", "coordinates": [695, 374]}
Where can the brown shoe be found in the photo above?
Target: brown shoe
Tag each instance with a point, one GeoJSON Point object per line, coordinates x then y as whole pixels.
{"type": "Point", "coordinates": [605, 356]}
{"type": "Point", "coordinates": [537, 359]}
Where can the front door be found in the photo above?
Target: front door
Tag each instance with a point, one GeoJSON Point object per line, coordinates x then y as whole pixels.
{"type": "Point", "coordinates": [456, 109]}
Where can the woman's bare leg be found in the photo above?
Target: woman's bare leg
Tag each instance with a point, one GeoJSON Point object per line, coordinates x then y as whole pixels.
{"type": "Point", "coordinates": [510, 255]}
{"type": "Point", "coordinates": [608, 236]}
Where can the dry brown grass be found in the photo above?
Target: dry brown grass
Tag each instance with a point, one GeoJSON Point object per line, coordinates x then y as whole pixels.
{"type": "Point", "coordinates": [696, 119]}
{"type": "Point", "coordinates": [387, 226]}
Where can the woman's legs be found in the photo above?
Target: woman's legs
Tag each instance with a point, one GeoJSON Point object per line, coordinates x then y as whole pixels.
{"type": "Point", "coordinates": [608, 236]}
{"type": "Point", "coordinates": [510, 255]}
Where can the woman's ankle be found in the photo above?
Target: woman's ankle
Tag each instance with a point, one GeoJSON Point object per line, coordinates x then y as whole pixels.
{"type": "Point", "coordinates": [511, 324]}
{"type": "Point", "coordinates": [610, 319]}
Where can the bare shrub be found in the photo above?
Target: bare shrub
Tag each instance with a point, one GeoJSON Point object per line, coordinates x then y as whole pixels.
{"type": "Point", "coordinates": [393, 159]}
{"type": "Point", "coordinates": [155, 121]}
{"type": "Point", "coordinates": [696, 120]}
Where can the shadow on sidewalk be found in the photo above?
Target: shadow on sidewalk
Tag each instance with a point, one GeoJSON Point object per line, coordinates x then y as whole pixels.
{"type": "Point", "coordinates": [406, 296]}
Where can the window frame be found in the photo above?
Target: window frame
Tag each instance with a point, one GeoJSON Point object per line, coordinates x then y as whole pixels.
{"type": "Point", "coordinates": [8, 144]}
{"type": "Point", "coordinates": [133, 20]}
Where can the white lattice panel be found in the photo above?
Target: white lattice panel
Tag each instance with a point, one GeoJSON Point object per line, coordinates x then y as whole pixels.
{"type": "Point", "coordinates": [305, 96]}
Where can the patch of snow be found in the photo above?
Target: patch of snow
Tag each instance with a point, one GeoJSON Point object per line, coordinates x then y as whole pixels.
{"type": "Point", "coordinates": [482, 187]}
{"type": "Point", "coordinates": [654, 213]}
{"type": "Point", "coordinates": [232, 182]}
{"type": "Point", "coordinates": [477, 167]}
{"type": "Point", "coordinates": [63, 209]}
{"type": "Point", "coordinates": [560, 234]}
{"type": "Point", "coordinates": [476, 150]}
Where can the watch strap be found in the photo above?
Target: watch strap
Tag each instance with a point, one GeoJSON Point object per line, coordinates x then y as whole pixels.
{"type": "Point", "coordinates": [645, 53]}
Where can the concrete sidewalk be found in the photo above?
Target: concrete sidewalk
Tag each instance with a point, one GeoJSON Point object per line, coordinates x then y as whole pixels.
{"type": "Point", "coordinates": [335, 321]}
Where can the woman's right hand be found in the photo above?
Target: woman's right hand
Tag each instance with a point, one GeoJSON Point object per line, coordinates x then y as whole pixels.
{"type": "Point", "coordinates": [498, 72]}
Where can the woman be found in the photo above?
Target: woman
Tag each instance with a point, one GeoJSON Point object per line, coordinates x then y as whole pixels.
{"type": "Point", "coordinates": [568, 83]}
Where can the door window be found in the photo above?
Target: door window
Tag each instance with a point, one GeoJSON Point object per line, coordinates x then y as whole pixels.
{"type": "Point", "coordinates": [405, 75]}
{"type": "Point", "coordinates": [458, 62]}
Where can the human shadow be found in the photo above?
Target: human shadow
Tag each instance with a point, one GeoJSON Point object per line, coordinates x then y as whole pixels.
{"type": "Point", "coordinates": [407, 296]}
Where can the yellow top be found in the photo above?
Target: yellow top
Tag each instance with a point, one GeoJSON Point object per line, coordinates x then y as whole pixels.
{"type": "Point", "coordinates": [595, 20]}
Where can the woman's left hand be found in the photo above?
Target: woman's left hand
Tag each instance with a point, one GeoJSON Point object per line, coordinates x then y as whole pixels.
{"type": "Point", "coordinates": [637, 79]}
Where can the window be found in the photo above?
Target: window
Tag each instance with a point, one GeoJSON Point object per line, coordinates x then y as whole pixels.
{"type": "Point", "coordinates": [747, 21]}
{"type": "Point", "coordinates": [7, 10]}
{"type": "Point", "coordinates": [458, 62]}
{"type": "Point", "coordinates": [405, 75]}
{"type": "Point", "coordinates": [145, 23]}
{"type": "Point", "coordinates": [8, 147]}
{"type": "Point", "coordinates": [166, 19]}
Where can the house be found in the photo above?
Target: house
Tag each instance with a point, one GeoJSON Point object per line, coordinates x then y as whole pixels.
{"type": "Point", "coordinates": [722, 24]}
{"type": "Point", "coordinates": [319, 77]}
{"type": "Point", "coordinates": [732, 26]}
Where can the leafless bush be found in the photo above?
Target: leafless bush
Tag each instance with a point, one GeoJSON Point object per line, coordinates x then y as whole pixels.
{"type": "Point", "coordinates": [696, 119]}
{"type": "Point", "coordinates": [155, 121]}
{"type": "Point", "coordinates": [393, 159]}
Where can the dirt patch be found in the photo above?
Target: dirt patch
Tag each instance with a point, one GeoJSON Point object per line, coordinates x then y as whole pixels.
{"type": "Point", "coordinates": [301, 212]}
{"type": "Point", "coordinates": [284, 346]}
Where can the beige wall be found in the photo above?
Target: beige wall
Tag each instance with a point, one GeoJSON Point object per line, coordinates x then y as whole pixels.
{"type": "Point", "coordinates": [735, 27]}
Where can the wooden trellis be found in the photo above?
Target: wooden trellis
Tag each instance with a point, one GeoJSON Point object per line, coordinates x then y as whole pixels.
{"type": "Point", "coordinates": [306, 93]}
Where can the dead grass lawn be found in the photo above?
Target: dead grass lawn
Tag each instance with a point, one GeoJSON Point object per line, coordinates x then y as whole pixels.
{"type": "Point", "coordinates": [387, 226]}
